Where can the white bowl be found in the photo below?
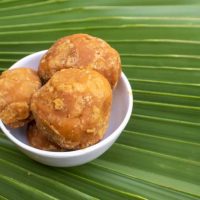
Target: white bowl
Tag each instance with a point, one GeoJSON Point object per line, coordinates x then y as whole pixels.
{"type": "Point", "coordinates": [121, 111]}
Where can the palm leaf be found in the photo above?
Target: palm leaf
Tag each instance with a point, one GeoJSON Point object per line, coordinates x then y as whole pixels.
{"type": "Point", "coordinates": [158, 154]}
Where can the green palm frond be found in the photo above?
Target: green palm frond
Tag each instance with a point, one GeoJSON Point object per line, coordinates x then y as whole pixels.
{"type": "Point", "coordinates": [158, 154]}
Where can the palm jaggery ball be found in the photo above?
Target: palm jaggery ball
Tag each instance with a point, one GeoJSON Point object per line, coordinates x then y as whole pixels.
{"type": "Point", "coordinates": [72, 109]}
{"type": "Point", "coordinates": [81, 51]}
{"type": "Point", "coordinates": [39, 140]}
{"type": "Point", "coordinates": [16, 89]}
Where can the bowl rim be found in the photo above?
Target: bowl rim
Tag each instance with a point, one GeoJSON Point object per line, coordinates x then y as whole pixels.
{"type": "Point", "coordinates": [79, 152]}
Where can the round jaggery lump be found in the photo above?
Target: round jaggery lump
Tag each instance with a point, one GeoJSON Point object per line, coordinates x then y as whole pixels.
{"type": "Point", "coordinates": [81, 51]}
{"type": "Point", "coordinates": [39, 140]}
{"type": "Point", "coordinates": [72, 109]}
{"type": "Point", "coordinates": [16, 89]}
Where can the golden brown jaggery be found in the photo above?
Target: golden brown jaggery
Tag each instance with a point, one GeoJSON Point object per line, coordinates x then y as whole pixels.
{"type": "Point", "coordinates": [39, 140]}
{"type": "Point", "coordinates": [16, 89]}
{"type": "Point", "coordinates": [81, 51]}
{"type": "Point", "coordinates": [72, 109]}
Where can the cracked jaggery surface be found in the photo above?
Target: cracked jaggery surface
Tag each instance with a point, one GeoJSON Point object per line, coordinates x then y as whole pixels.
{"type": "Point", "coordinates": [81, 51]}
{"type": "Point", "coordinates": [72, 109]}
{"type": "Point", "coordinates": [39, 140]}
{"type": "Point", "coordinates": [16, 89]}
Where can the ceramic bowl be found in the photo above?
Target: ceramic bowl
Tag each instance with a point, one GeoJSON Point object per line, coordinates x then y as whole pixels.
{"type": "Point", "coordinates": [121, 112]}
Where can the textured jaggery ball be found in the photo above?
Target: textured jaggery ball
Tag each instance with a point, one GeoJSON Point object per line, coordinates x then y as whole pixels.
{"type": "Point", "coordinates": [16, 89]}
{"type": "Point", "coordinates": [39, 140]}
{"type": "Point", "coordinates": [81, 51]}
{"type": "Point", "coordinates": [72, 109]}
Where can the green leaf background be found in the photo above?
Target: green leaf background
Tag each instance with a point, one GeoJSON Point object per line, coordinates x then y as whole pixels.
{"type": "Point", "coordinates": [158, 154]}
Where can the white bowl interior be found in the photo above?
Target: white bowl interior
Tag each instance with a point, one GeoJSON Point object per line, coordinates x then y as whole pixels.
{"type": "Point", "coordinates": [120, 105]}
